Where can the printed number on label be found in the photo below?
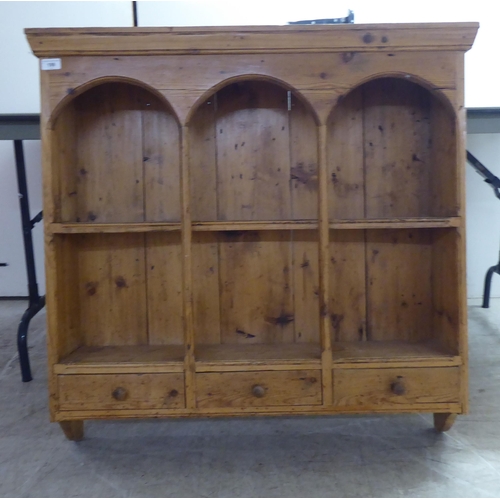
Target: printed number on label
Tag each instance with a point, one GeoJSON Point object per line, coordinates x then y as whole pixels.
{"type": "Point", "coordinates": [48, 64]}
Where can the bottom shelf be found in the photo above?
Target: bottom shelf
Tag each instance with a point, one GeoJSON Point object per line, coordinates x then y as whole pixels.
{"type": "Point", "coordinates": [241, 357]}
{"type": "Point", "coordinates": [123, 359]}
{"type": "Point", "coordinates": [223, 356]}
{"type": "Point", "coordinates": [395, 353]}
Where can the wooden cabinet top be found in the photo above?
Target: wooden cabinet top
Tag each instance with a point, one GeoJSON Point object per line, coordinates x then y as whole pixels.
{"type": "Point", "coordinates": [52, 42]}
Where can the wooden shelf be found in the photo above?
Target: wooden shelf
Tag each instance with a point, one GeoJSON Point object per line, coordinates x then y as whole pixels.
{"type": "Point", "coordinates": [122, 359]}
{"type": "Point", "coordinates": [135, 227]}
{"type": "Point", "coordinates": [402, 223]}
{"type": "Point", "coordinates": [254, 225]}
{"type": "Point", "coordinates": [391, 353]}
{"type": "Point", "coordinates": [239, 357]}
{"type": "Point", "coordinates": [149, 227]}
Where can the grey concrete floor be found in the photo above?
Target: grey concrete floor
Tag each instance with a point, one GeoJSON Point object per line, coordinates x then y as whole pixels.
{"type": "Point", "coordinates": [369, 456]}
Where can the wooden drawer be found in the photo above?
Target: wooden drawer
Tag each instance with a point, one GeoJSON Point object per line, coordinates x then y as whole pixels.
{"type": "Point", "coordinates": [121, 391]}
{"type": "Point", "coordinates": [391, 387]}
{"type": "Point", "coordinates": [248, 389]}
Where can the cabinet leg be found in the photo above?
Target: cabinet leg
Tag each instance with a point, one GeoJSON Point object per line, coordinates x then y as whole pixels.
{"type": "Point", "coordinates": [444, 421]}
{"type": "Point", "coordinates": [73, 429]}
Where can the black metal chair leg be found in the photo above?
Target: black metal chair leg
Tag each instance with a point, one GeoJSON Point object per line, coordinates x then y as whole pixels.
{"type": "Point", "coordinates": [22, 338]}
{"type": "Point", "coordinates": [487, 285]}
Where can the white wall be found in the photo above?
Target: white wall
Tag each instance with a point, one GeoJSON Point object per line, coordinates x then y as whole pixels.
{"type": "Point", "coordinates": [19, 93]}
{"type": "Point", "coordinates": [481, 62]}
{"type": "Point", "coordinates": [483, 215]}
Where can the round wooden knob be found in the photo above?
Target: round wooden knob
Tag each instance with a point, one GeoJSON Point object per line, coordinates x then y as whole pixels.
{"type": "Point", "coordinates": [120, 394]}
{"type": "Point", "coordinates": [173, 393]}
{"type": "Point", "coordinates": [258, 391]}
{"type": "Point", "coordinates": [398, 387]}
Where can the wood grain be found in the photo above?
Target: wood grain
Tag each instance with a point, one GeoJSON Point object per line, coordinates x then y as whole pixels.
{"type": "Point", "coordinates": [163, 269]}
{"type": "Point", "coordinates": [345, 158]}
{"type": "Point", "coordinates": [279, 389]}
{"type": "Point", "coordinates": [258, 411]}
{"type": "Point", "coordinates": [206, 292]}
{"type": "Point", "coordinates": [161, 160]}
{"type": "Point", "coordinates": [112, 289]}
{"type": "Point", "coordinates": [248, 39]}
{"type": "Point", "coordinates": [396, 133]}
{"type": "Point", "coordinates": [256, 288]}
{"type": "Point", "coordinates": [203, 161]}
{"type": "Point", "coordinates": [95, 392]}
{"type": "Point", "coordinates": [305, 286]}
{"type": "Point", "coordinates": [253, 166]}
{"type": "Point", "coordinates": [109, 174]}
{"type": "Point", "coordinates": [444, 421]}
{"type": "Point", "coordinates": [347, 274]}
{"type": "Point", "coordinates": [122, 359]}
{"type": "Point", "coordinates": [399, 287]}
{"type": "Point", "coordinates": [73, 429]}
{"type": "Point", "coordinates": [303, 161]}
{"type": "Point", "coordinates": [372, 387]}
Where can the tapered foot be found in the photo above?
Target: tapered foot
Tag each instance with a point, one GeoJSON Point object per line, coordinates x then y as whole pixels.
{"type": "Point", "coordinates": [73, 429]}
{"type": "Point", "coordinates": [444, 421]}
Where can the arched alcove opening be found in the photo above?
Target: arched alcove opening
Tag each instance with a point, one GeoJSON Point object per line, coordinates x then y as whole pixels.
{"type": "Point", "coordinates": [116, 149]}
{"type": "Point", "coordinates": [392, 153]}
{"type": "Point", "coordinates": [254, 175]}
{"type": "Point", "coordinates": [253, 154]}
{"type": "Point", "coordinates": [392, 170]}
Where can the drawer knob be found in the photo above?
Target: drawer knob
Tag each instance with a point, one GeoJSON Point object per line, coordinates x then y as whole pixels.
{"type": "Point", "coordinates": [258, 391]}
{"type": "Point", "coordinates": [120, 394]}
{"type": "Point", "coordinates": [398, 387]}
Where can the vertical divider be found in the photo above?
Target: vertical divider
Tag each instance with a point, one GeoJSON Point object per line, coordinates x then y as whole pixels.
{"type": "Point", "coordinates": [324, 296]}
{"type": "Point", "coordinates": [187, 272]}
{"type": "Point", "coordinates": [460, 248]}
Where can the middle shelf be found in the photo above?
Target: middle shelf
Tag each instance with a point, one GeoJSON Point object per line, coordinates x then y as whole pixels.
{"type": "Point", "coordinates": [256, 288]}
{"type": "Point", "coordinates": [150, 227]}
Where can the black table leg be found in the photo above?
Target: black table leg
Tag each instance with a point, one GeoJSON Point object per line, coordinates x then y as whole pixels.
{"type": "Point", "coordinates": [36, 303]}
{"type": "Point", "coordinates": [487, 284]}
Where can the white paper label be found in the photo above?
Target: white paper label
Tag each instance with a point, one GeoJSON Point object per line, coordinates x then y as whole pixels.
{"type": "Point", "coordinates": [48, 64]}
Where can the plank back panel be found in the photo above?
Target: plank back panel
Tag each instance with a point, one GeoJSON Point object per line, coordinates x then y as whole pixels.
{"type": "Point", "coordinates": [109, 169]}
{"type": "Point", "coordinates": [256, 287]}
{"type": "Point", "coordinates": [399, 288]}
{"type": "Point", "coordinates": [253, 154]}
{"type": "Point", "coordinates": [206, 301]}
{"type": "Point", "coordinates": [164, 288]}
{"type": "Point", "coordinates": [306, 286]}
{"type": "Point", "coordinates": [347, 275]}
{"type": "Point", "coordinates": [444, 186]}
{"type": "Point", "coordinates": [112, 289]}
{"type": "Point", "coordinates": [161, 160]}
{"type": "Point", "coordinates": [397, 149]}
{"type": "Point", "coordinates": [202, 162]}
{"type": "Point", "coordinates": [345, 155]}
{"type": "Point", "coordinates": [303, 161]}
{"type": "Point", "coordinates": [117, 152]}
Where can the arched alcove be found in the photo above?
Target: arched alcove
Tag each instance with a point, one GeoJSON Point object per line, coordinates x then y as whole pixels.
{"type": "Point", "coordinates": [254, 158]}
{"type": "Point", "coordinates": [116, 149]}
{"type": "Point", "coordinates": [253, 154]}
{"type": "Point", "coordinates": [392, 153]}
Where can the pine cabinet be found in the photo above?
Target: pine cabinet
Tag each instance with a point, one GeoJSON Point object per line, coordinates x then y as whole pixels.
{"type": "Point", "coordinates": [254, 220]}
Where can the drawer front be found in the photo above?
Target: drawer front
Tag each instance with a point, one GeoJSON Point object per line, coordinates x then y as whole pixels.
{"type": "Point", "coordinates": [254, 389]}
{"type": "Point", "coordinates": [390, 387]}
{"type": "Point", "coordinates": [121, 391]}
